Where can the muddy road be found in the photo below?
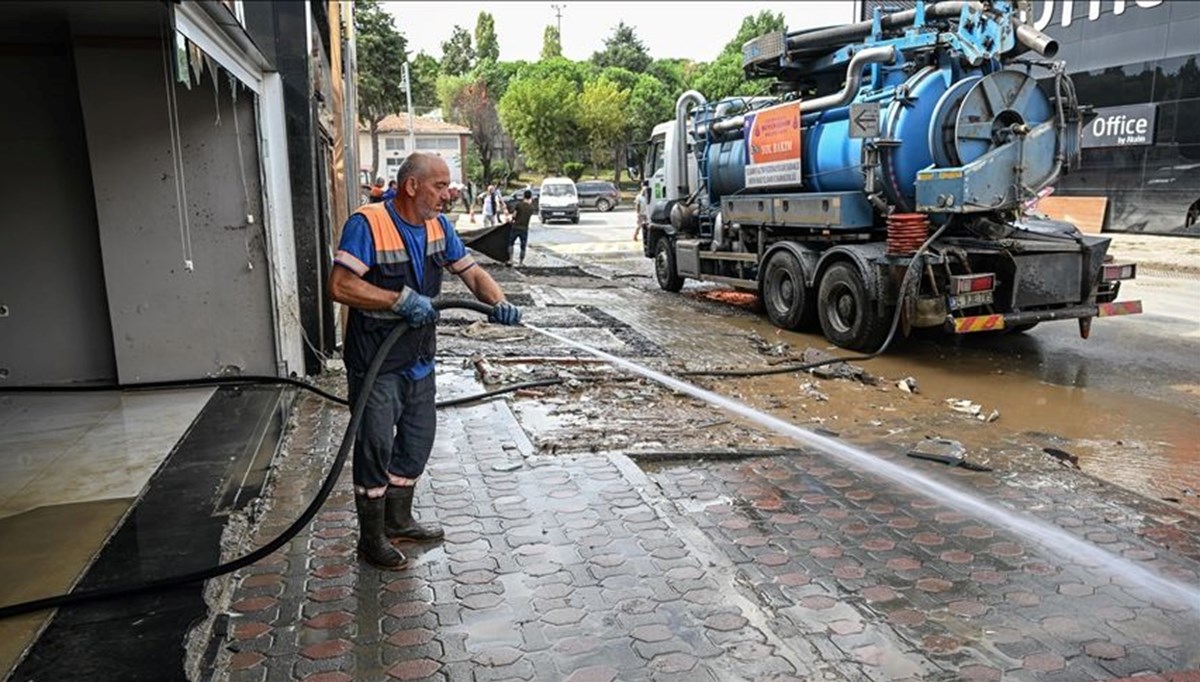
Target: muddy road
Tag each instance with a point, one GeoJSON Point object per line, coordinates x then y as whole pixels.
{"type": "Point", "coordinates": [1123, 406]}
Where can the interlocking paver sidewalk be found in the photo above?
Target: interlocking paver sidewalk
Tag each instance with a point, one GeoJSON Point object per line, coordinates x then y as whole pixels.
{"type": "Point", "coordinates": [587, 568]}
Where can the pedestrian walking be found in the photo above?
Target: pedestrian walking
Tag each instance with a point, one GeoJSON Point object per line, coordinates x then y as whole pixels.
{"type": "Point", "coordinates": [388, 268]}
{"type": "Point", "coordinates": [521, 213]}
{"type": "Point", "coordinates": [640, 205]}
{"type": "Point", "coordinates": [493, 206]}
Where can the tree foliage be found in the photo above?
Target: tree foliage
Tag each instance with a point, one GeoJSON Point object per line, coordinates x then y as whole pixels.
{"type": "Point", "coordinates": [623, 49]}
{"type": "Point", "coordinates": [424, 71]}
{"type": "Point", "coordinates": [540, 114]}
{"type": "Point", "coordinates": [382, 51]}
{"type": "Point", "coordinates": [487, 47]}
{"type": "Point", "coordinates": [602, 119]}
{"type": "Point", "coordinates": [551, 43]}
{"type": "Point", "coordinates": [457, 53]}
{"type": "Point", "coordinates": [650, 103]}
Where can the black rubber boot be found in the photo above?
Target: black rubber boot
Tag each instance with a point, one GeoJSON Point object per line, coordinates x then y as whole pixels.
{"type": "Point", "coordinates": [373, 545]}
{"type": "Point", "coordinates": [400, 521]}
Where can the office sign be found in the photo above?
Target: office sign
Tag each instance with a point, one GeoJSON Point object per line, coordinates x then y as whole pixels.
{"type": "Point", "coordinates": [1127, 126]}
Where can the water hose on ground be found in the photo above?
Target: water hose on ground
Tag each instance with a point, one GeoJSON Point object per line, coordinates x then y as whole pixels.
{"type": "Point", "coordinates": [339, 461]}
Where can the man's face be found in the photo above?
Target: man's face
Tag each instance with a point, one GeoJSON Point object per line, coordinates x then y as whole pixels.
{"type": "Point", "coordinates": [431, 191]}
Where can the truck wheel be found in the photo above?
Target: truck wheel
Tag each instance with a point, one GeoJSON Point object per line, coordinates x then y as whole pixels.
{"type": "Point", "coordinates": [603, 205]}
{"type": "Point", "coordinates": [787, 300]}
{"type": "Point", "coordinates": [664, 266]}
{"type": "Point", "coordinates": [848, 316]}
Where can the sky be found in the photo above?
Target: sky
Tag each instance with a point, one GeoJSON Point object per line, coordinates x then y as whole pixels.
{"type": "Point", "coordinates": [694, 30]}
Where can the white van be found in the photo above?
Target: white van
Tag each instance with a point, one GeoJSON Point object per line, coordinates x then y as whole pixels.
{"type": "Point", "coordinates": [558, 200]}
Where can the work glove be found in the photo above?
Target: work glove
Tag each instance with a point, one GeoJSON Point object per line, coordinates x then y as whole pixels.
{"type": "Point", "coordinates": [505, 313]}
{"type": "Point", "coordinates": [417, 310]}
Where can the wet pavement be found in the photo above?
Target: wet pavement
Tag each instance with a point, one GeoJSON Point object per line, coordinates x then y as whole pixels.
{"type": "Point", "coordinates": [675, 543]}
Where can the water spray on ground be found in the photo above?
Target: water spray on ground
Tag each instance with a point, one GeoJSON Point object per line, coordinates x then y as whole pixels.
{"type": "Point", "coordinates": [1050, 537]}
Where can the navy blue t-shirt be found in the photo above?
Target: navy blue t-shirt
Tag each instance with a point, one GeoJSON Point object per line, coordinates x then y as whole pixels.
{"type": "Point", "coordinates": [356, 251]}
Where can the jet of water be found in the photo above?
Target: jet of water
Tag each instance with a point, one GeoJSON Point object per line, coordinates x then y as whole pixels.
{"type": "Point", "coordinates": [1050, 537]}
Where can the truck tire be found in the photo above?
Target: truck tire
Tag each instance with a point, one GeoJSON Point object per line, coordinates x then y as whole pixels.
{"type": "Point", "coordinates": [848, 316]}
{"type": "Point", "coordinates": [664, 266]}
{"type": "Point", "coordinates": [788, 301]}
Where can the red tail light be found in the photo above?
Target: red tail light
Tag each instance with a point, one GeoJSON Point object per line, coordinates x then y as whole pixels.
{"type": "Point", "coordinates": [969, 284]}
{"type": "Point", "coordinates": [1118, 271]}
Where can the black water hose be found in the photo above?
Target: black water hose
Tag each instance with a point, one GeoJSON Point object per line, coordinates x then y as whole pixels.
{"type": "Point", "coordinates": [305, 518]}
{"type": "Point", "coordinates": [904, 293]}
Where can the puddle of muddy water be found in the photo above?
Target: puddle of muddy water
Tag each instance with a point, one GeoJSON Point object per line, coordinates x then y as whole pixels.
{"type": "Point", "coordinates": [45, 550]}
{"type": "Point", "coordinates": [1145, 445]}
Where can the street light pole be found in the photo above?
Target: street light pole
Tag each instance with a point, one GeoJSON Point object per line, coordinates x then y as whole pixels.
{"type": "Point", "coordinates": [558, 16]}
{"type": "Point", "coordinates": [412, 138]}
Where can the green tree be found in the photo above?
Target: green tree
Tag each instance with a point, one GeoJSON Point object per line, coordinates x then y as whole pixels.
{"type": "Point", "coordinates": [624, 78]}
{"type": "Point", "coordinates": [575, 72]}
{"type": "Point", "coordinates": [650, 103]}
{"type": "Point", "coordinates": [541, 117]}
{"type": "Point", "coordinates": [424, 71]}
{"type": "Point", "coordinates": [487, 48]}
{"type": "Point", "coordinates": [671, 73]}
{"type": "Point", "coordinates": [551, 43]}
{"type": "Point", "coordinates": [457, 54]}
{"type": "Point", "coordinates": [382, 51]}
{"type": "Point", "coordinates": [623, 49]}
{"type": "Point", "coordinates": [603, 120]}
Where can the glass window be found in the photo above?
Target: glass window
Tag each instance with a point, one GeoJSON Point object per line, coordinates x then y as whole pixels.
{"type": "Point", "coordinates": [1177, 78]}
{"type": "Point", "coordinates": [394, 144]}
{"type": "Point", "coordinates": [656, 157]}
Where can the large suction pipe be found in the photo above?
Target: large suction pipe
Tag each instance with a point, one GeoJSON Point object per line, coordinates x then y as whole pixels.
{"type": "Point", "coordinates": [841, 35]}
{"type": "Point", "coordinates": [681, 137]}
{"type": "Point", "coordinates": [1035, 40]}
{"type": "Point", "coordinates": [872, 55]}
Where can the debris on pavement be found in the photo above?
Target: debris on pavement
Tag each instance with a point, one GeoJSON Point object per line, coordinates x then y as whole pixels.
{"type": "Point", "coordinates": [908, 385]}
{"type": "Point", "coordinates": [809, 389]}
{"type": "Point", "coordinates": [945, 451]}
{"type": "Point", "coordinates": [837, 370]}
{"type": "Point", "coordinates": [1064, 458]}
{"type": "Point", "coordinates": [964, 406]}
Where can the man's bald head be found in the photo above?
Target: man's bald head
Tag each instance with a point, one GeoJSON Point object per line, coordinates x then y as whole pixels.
{"type": "Point", "coordinates": [423, 185]}
{"type": "Point", "coordinates": [418, 166]}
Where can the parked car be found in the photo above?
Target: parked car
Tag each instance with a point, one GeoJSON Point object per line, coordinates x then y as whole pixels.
{"type": "Point", "coordinates": [559, 199]}
{"type": "Point", "coordinates": [599, 194]}
{"type": "Point", "coordinates": [511, 200]}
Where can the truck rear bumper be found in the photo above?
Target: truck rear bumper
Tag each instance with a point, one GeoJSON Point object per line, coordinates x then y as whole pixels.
{"type": "Point", "coordinates": [989, 323]}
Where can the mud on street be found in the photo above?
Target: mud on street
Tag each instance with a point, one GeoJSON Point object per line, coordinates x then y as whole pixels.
{"type": "Point", "coordinates": [993, 398]}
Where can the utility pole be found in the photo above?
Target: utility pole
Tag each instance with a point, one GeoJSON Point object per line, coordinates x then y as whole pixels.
{"type": "Point", "coordinates": [412, 137]}
{"type": "Point", "coordinates": [558, 16]}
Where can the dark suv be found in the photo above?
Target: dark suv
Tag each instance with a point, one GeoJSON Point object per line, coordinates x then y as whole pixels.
{"type": "Point", "coordinates": [598, 193]}
{"type": "Point", "coordinates": [511, 200]}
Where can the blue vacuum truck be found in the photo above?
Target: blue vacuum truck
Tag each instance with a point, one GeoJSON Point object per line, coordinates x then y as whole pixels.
{"type": "Point", "coordinates": [889, 183]}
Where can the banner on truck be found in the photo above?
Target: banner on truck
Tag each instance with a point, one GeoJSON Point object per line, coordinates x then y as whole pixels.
{"type": "Point", "coordinates": [773, 146]}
